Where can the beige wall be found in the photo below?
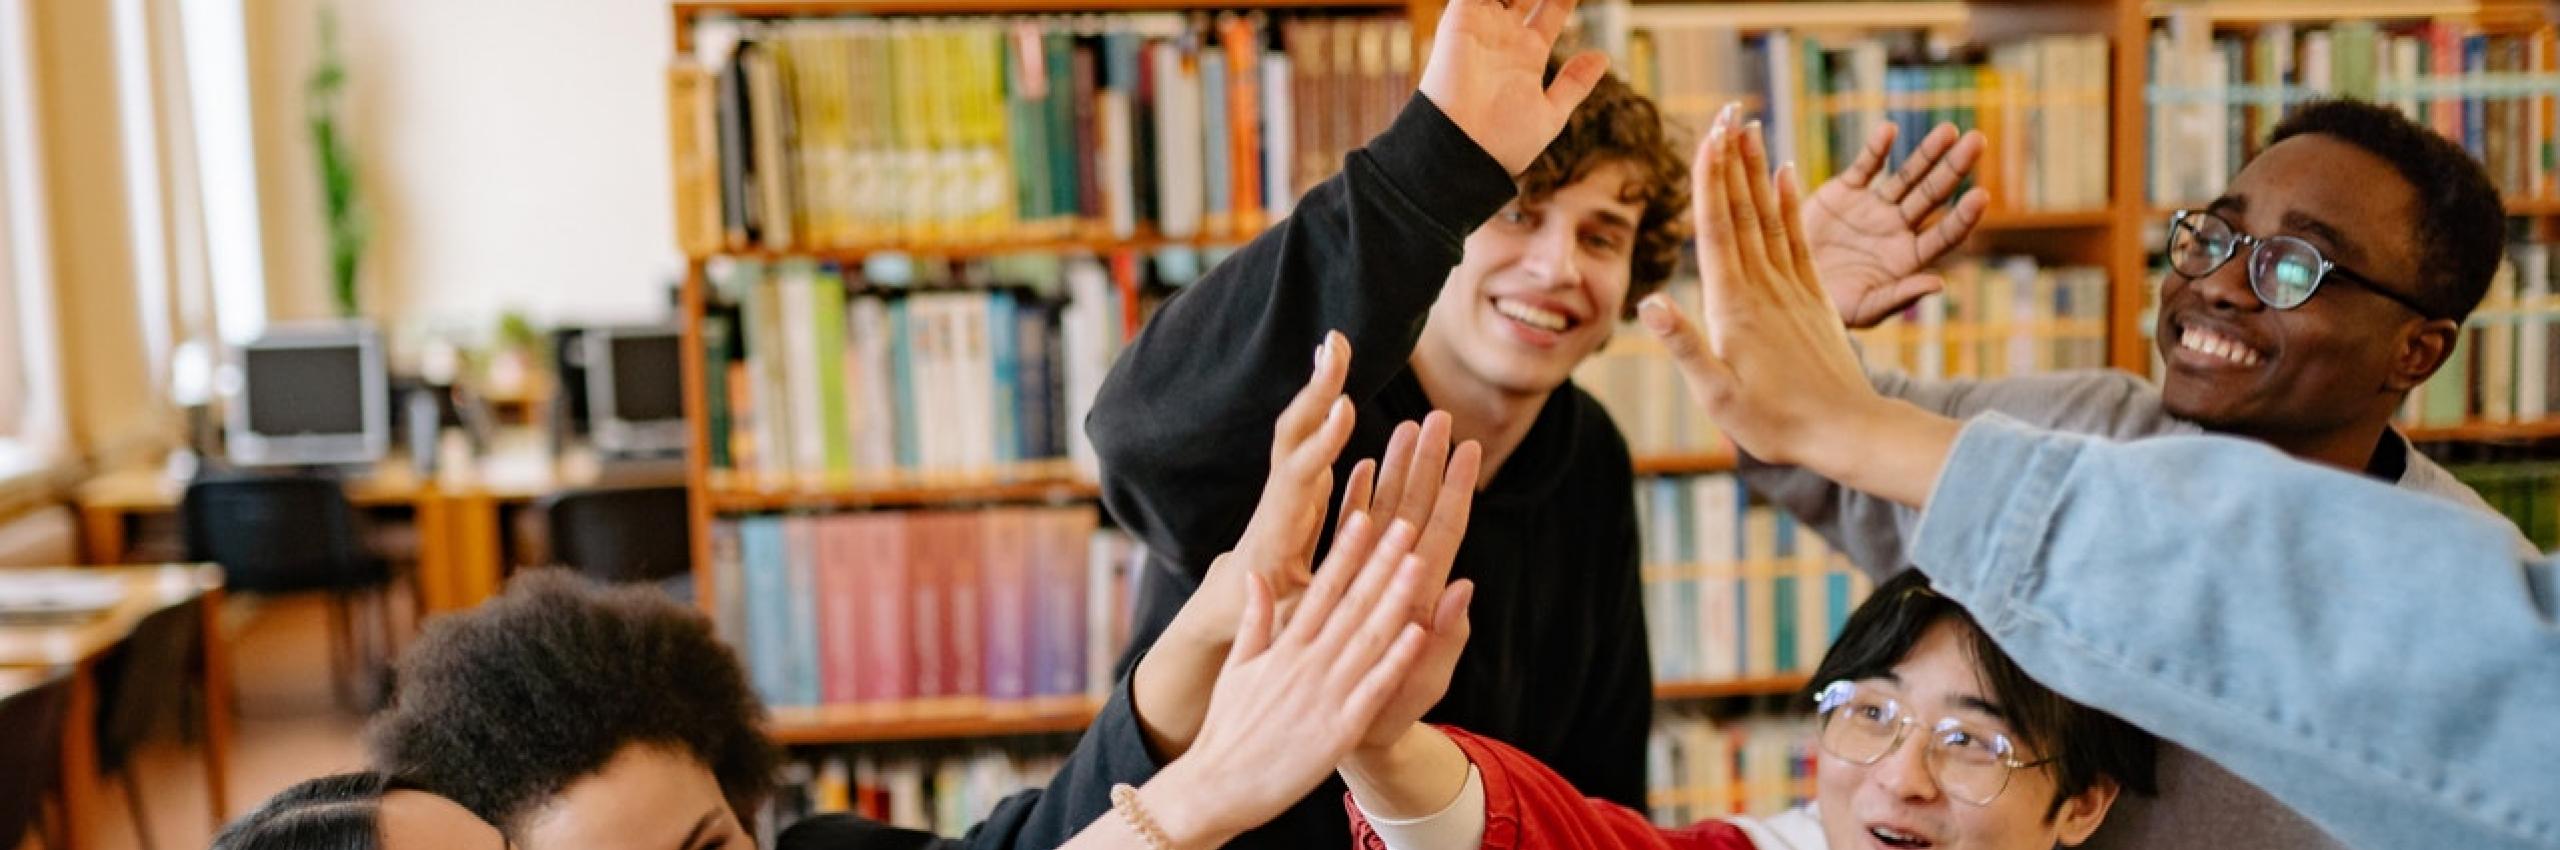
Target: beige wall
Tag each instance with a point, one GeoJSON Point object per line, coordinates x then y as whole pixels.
{"type": "Point", "coordinates": [514, 155]}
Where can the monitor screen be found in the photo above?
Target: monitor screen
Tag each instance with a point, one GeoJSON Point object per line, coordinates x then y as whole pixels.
{"type": "Point", "coordinates": [648, 384]}
{"type": "Point", "coordinates": [314, 390]}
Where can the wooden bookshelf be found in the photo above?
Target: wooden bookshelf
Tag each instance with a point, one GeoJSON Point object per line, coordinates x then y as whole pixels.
{"type": "Point", "coordinates": [1999, 220]}
{"type": "Point", "coordinates": [865, 725]}
{"type": "Point", "coordinates": [2486, 432]}
{"type": "Point", "coordinates": [1757, 686]}
{"type": "Point", "coordinates": [1694, 463]}
{"type": "Point", "coordinates": [741, 499]}
{"type": "Point", "coordinates": [2271, 11]}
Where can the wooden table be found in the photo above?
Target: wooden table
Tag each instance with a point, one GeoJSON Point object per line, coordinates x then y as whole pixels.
{"type": "Point", "coordinates": [461, 553]}
{"type": "Point", "coordinates": [147, 590]}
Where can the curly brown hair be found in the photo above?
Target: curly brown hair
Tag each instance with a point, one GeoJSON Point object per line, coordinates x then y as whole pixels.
{"type": "Point", "coordinates": [503, 707]}
{"type": "Point", "coordinates": [1618, 125]}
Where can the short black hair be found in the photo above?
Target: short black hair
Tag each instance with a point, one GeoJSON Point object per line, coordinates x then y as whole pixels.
{"type": "Point", "coordinates": [2084, 743]}
{"type": "Point", "coordinates": [336, 812]}
{"type": "Point", "coordinates": [2461, 222]}
{"type": "Point", "coordinates": [503, 707]}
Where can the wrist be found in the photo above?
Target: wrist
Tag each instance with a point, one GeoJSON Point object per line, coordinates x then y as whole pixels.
{"type": "Point", "coordinates": [1186, 809]}
{"type": "Point", "coordinates": [1414, 777]}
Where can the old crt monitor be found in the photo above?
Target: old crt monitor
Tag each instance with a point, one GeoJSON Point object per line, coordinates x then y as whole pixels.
{"type": "Point", "coordinates": [314, 395]}
{"type": "Point", "coordinates": [635, 389]}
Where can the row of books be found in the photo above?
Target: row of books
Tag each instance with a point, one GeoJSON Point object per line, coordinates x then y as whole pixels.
{"type": "Point", "coordinates": [825, 375]}
{"type": "Point", "coordinates": [2214, 95]}
{"type": "Point", "coordinates": [1700, 767]}
{"type": "Point", "coordinates": [2042, 101]}
{"type": "Point", "coordinates": [2502, 368]}
{"type": "Point", "coordinates": [936, 789]}
{"type": "Point", "coordinates": [864, 132]}
{"type": "Point", "coordinates": [2526, 491]}
{"type": "Point", "coordinates": [1733, 589]}
{"type": "Point", "coordinates": [1998, 317]}
{"type": "Point", "coordinates": [925, 613]}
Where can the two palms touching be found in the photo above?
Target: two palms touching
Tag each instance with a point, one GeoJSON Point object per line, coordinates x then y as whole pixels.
{"type": "Point", "coordinates": [1871, 236]}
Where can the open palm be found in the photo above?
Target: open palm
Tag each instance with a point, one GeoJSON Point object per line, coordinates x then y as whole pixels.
{"type": "Point", "coordinates": [1871, 236]}
{"type": "Point", "coordinates": [1487, 73]}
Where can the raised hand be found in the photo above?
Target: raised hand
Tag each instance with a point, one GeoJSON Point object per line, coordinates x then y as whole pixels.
{"type": "Point", "coordinates": [1487, 72]}
{"type": "Point", "coordinates": [1871, 236]}
{"type": "Point", "coordinates": [1426, 484]}
{"type": "Point", "coordinates": [1293, 698]}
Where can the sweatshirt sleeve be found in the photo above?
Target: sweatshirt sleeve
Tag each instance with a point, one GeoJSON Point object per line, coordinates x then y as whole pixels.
{"type": "Point", "coordinates": [1182, 424]}
{"type": "Point", "coordinates": [1526, 805]}
{"type": "Point", "coordinates": [1112, 752]}
{"type": "Point", "coordinates": [1874, 532]}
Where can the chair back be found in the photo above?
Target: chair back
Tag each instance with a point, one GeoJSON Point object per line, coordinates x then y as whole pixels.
{"type": "Point", "coordinates": [276, 532]}
{"type": "Point", "coordinates": [30, 753]}
{"type": "Point", "coordinates": [622, 534]}
{"type": "Point", "coordinates": [139, 681]}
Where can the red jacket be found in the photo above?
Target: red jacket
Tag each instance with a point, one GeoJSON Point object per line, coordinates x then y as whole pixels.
{"type": "Point", "coordinates": [1528, 806]}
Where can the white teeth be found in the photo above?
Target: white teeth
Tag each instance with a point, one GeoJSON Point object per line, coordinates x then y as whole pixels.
{"type": "Point", "coordinates": [1542, 319]}
{"type": "Point", "coordinates": [2207, 342]}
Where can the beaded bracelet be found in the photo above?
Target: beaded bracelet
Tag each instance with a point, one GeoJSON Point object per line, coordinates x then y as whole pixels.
{"type": "Point", "coordinates": [1124, 799]}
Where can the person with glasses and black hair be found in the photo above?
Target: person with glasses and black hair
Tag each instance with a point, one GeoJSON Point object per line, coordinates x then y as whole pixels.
{"type": "Point", "coordinates": [2299, 309]}
{"type": "Point", "coordinates": [1929, 737]}
{"type": "Point", "coordinates": [365, 810]}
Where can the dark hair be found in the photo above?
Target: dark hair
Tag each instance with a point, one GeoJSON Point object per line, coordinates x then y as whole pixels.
{"type": "Point", "coordinates": [2461, 224]}
{"type": "Point", "coordinates": [2084, 743]}
{"type": "Point", "coordinates": [503, 707]}
{"type": "Point", "coordinates": [336, 812]}
{"type": "Point", "coordinates": [1615, 125]}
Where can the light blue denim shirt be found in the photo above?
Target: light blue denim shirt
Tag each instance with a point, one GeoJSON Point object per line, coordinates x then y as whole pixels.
{"type": "Point", "coordinates": [2380, 660]}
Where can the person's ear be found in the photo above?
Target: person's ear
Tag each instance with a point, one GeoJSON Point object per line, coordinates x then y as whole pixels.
{"type": "Point", "coordinates": [2424, 348]}
{"type": "Point", "coordinates": [2081, 813]}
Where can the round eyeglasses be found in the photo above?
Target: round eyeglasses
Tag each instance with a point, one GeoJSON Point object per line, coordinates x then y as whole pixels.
{"type": "Point", "coordinates": [1862, 727]}
{"type": "Point", "coordinates": [2284, 271]}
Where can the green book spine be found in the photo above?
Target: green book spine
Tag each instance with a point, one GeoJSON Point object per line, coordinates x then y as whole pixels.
{"type": "Point", "coordinates": [716, 355]}
{"type": "Point", "coordinates": [2449, 392]}
{"type": "Point", "coordinates": [828, 330]}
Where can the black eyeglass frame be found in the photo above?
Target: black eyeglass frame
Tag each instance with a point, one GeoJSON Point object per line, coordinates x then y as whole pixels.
{"type": "Point", "coordinates": [2326, 269]}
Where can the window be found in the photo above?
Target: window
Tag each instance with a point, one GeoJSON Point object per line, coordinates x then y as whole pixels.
{"type": "Point", "coordinates": [31, 422]}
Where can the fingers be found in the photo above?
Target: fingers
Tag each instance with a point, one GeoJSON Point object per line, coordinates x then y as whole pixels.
{"type": "Point", "coordinates": [1577, 78]}
{"type": "Point", "coordinates": [1396, 465]}
{"type": "Point", "coordinates": [1253, 630]}
{"type": "Point", "coordinates": [1308, 410]}
{"type": "Point", "coordinates": [1791, 209]}
{"type": "Point", "coordinates": [1440, 539]}
{"type": "Point", "coordinates": [1870, 159]}
{"type": "Point", "coordinates": [1895, 187]}
{"type": "Point", "coordinates": [1945, 174]}
{"type": "Point", "coordinates": [1363, 630]}
{"type": "Point", "coordinates": [1548, 18]}
{"type": "Point", "coordinates": [1380, 578]}
{"type": "Point", "coordinates": [1711, 217]}
{"type": "Point", "coordinates": [1384, 678]}
{"type": "Point", "coordinates": [1451, 618]}
{"type": "Point", "coordinates": [1750, 246]}
{"type": "Point", "coordinates": [1430, 460]}
{"type": "Point", "coordinates": [1764, 198]}
{"type": "Point", "coordinates": [1954, 227]}
{"type": "Point", "coordinates": [1355, 493]}
{"type": "Point", "coordinates": [1341, 566]}
{"type": "Point", "coordinates": [1699, 366]}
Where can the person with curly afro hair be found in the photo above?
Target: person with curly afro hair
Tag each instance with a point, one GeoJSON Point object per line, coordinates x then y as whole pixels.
{"type": "Point", "coordinates": [576, 715]}
{"type": "Point", "coordinates": [364, 810]}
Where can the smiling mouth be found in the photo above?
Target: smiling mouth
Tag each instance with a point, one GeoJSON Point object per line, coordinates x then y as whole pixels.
{"type": "Point", "coordinates": [2218, 347]}
{"type": "Point", "coordinates": [1896, 838]}
{"type": "Point", "coordinates": [1534, 316]}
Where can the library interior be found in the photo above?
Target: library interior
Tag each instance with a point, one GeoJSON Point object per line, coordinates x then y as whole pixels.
{"type": "Point", "coordinates": [777, 423]}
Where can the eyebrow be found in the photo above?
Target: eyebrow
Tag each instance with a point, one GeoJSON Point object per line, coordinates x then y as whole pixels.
{"type": "Point", "coordinates": [1986, 707]}
{"type": "Point", "coordinates": [699, 827]}
{"type": "Point", "coordinates": [1613, 219]}
{"type": "Point", "coordinates": [2339, 246]}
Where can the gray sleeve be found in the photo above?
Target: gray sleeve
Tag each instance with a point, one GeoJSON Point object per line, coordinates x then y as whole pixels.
{"type": "Point", "coordinates": [1872, 531]}
{"type": "Point", "coordinates": [2381, 660]}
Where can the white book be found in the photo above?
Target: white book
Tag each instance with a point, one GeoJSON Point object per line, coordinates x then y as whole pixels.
{"type": "Point", "coordinates": [873, 394]}
{"type": "Point", "coordinates": [2405, 75]}
{"type": "Point", "coordinates": [2498, 347]}
{"type": "Point", "coordinates": [978, 385]}
{"type": "Point", "coordinates": [1279, 136]}
{"type": "Point", "coordinates": [1716, 504]}
{"type": "Point", "coordinates": [2094, 123]}
{"type": "Point", "coordinates": [931, 389]}
{"type": "Point", "coordinates": [1784, 112]}
{"type": "Point", "coordinates": [1119, 207]}
{"type": "Point", "coordinates": [1088, 333]}
{"type": "Point", "coordinates": [1179, 173]}
{"type": "Point", "coordinates": [2533, 338]}
{"type": "Point", "coordinates": [800, 391]}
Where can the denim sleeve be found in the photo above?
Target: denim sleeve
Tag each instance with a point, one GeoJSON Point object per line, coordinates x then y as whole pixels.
{"type": "Point", "coordinates": [2382, 661]}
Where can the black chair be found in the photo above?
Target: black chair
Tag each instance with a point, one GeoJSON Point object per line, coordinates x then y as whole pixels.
{"type": "Point", "coordinates": [621, 534]}
{"type": "Point", "coordinates": [277, 533]}
{"type": "Point", "coordinates": [140, 682]}
{"type": "Point", "coordinates": [30, 753]}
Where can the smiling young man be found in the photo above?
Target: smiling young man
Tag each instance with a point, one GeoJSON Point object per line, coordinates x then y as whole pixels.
{"type": "Point", "coordinates": [2300, 308]}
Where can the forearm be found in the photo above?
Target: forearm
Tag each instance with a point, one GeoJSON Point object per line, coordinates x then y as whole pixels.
{"type": "Point", "coordinates": [1187, 813]}
{"type": "Point", "coordinates": [1414, 777]}
{"type": "Point", "coordinates": [1169, 689]}
{"type": "Point", "coordinates": [1887, 448]}
{"type": "Point", "coordinates": [2220, 594]}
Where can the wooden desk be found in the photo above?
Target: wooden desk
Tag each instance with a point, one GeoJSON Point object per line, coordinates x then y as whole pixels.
{"type": "Point", "coordinates": [148, 590]}
{"type": "Point", "coordinates": [461, 555]}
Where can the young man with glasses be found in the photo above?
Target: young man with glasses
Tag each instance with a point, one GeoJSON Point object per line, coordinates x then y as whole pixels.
{"type": "Point", "coordinates": [1930, 738]}
{"type": "Point", "coordinates": [2300, 309]}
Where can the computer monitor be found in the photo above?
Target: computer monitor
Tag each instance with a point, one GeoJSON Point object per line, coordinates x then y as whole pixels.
{"type": "Point", "coordinates": [635, 389]}
{"type": "Point", "coordinates": [314, 395]}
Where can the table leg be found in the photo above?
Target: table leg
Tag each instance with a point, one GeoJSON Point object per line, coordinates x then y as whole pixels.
{"type": "Point", "coordinates": [217, 710]}
{"type": "Point", "coordinates": [101, 536]}
{"type": "Point", "coordinates": [435, 545]}
{"type": "Point", "coordinates": [478, 556]}
{"type": "Point", "coordinates": [78, 782]}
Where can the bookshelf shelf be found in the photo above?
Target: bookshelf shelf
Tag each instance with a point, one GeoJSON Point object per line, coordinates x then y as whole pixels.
{"type": "Point", "coordinates": [862, 725]}
{"type": "Point", "coordinates": [2517, 207]}
{"type": "Point", "coordinates": [738, 497]}
{"type": "Point", "coordinates": [1810, 15]}
{"type": "Point", "coordinates": [1758, 686]}
{"type": "Point", "coordinates": [2025, 220]}
{"type": "Point", "coordinates": [805, 8]}
{"type": "Point", "coordinates": [2484, 432]}
{"type": "Point", "coordinates": [2269, 11]}
{"type": "Point", "coordinates": [1144, 241]}
{"type": "Point", "coordinates": [1694, 463]}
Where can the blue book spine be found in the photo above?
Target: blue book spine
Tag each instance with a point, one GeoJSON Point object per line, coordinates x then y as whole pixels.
{"type": "Point", "coordinates": [800, 551]}
{"type": "Point", "coordinates": [1836, 603]}
{"type": "Point", "coordinates": [1004, 347]}
{"type": "Point", "coordinates": [768, 624]}
{"type": "Point", "coordinates": [1213, 120]}
{"type": "Point", "coordinates": [1782, 597]}
{"type": "Point", "coordinates": [2475, 119]}
{"type": "Point", "coordinates": [902, 375]}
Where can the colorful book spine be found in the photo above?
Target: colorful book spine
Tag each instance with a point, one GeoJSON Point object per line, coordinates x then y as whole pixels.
{"type": "Point", "coordinates": [1735, 590]}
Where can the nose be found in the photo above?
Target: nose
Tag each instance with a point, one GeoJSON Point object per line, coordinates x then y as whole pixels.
{"type": "Point", "coordinates": [1904, 773]}
{"type": "Point", "coordinates": [1552, 256]}
{"type": "Point", "coordinates": [2227, 288]}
